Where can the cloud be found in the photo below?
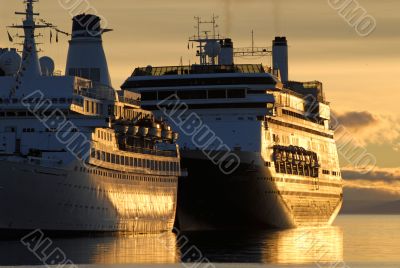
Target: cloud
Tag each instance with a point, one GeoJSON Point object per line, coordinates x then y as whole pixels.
{"type": "Point", "coordinates": [366, 128]}
{"type": "Point", "coordinates": [356, 120]}
{"type": "Point", "coordinates": [396, 147]}
{"type": "Point", "coordinates": [379, 179]}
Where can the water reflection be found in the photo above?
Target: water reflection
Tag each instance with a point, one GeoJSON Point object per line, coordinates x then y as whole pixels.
{"type": "Point", "coordinates": [297, 246]}
{"type": "Point", "coordinates": [111, 249]}
{"type": "Point", "coordinates": [157, 248]}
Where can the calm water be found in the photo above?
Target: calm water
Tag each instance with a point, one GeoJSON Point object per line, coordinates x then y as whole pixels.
{"type": "Point", "coordinates": [362, 239]}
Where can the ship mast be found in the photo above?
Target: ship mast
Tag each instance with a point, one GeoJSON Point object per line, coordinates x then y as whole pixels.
{"type": "Point", "coordinates": [202, 39]}
{"type": "Point", "coordinates": [30, 65]}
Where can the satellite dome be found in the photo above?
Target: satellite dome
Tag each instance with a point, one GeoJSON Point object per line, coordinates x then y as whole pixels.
{"type": "Point", "coordinates": [212, 49]}
{"type": "Point", "coordinates": [47, 66]}
{"type": "Point", "coordinates": [10, 62]}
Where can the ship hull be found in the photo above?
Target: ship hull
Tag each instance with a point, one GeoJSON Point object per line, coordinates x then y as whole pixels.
{"type": "Point", "coordinates": [250, 198]}
{"type": "Point", "coordinates": [77, 200]}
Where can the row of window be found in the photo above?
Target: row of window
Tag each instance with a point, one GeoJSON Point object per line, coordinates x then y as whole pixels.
{"type": "Point", "coordinates": [33, 100]}
{"type": "Point", "coordinates": [195, 94]}
{"type": "Point", "coordinates": [104, 135]}
{"type": "Point", "coordinates": [300, 116]}
{"type": "Point", "coordinates": [135, 162]}
{"type": "Point", "coordinates": [210, 81]}
{"type": "Point", "coordinates": [33, 130]}
{"type": "Point", "coordinates": [293, 114]}
{"type": "Point", "coordinates": [28, 130]}
{"type": "Point", "coordinates": [308, 130]}
{"type": "Point", "coordinates": [297, 181]}
{"type": "Point", "coordinates": [334, 173]}
{"type": "Point", "coordinates": [93, 107]}
{"type": "Point", "coordinates": [29, 114]}
{"type": "Point", "coordinates": [122, 176]}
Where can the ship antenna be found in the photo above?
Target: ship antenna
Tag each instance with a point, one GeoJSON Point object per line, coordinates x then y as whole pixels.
{"type": "Point", "coordinates": [201, 39]}
{"type": "Point", "coordinates": [252, 41]}
{"type": "Point", "coordinates": [253, 51]}
{"type": "Point", "coordinates": [30, 66]}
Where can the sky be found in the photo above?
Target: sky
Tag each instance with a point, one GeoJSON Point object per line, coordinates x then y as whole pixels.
{"type": "Point", "coordinates": [360, 74]}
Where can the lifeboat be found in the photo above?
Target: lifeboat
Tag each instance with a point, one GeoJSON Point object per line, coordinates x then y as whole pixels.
{"type": "Point", "coordinates": [175, 136]}
{"type": "Point", "coordinates": [143, 131]}
{"type": "Point", "coordinates": [135, 130]}
{"type": "Point", "coordinates": [277, 155]}
{"type": "Point", "coordinates": [290, 156]}
{"type": "Point", "coordinates": [155, 131]}
{"type": "Point", "coordinates": [166, 133]}
{"type": "Point", "coordinates": [307, 159]}
{"type": "Point", "coordinates": [284, 156]}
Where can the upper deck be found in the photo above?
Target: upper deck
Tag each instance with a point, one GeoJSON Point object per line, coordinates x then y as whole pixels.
{"type": "Point", "coordinates": [200, 75]}
{"type": "Point", "coordinates": [198, 69]}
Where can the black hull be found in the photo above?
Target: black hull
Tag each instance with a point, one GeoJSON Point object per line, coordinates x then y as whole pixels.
{"type": "Point", "coordinates": [210, 200]}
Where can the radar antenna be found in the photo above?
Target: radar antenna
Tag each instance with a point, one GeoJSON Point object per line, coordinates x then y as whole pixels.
{"type": "Point", "coordinates": [208, 48]}
{"type": "Point", "coordinates": [203, 38]}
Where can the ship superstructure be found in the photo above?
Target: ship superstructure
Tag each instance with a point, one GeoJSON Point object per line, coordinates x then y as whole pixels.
{"type": "Point", "coordinates": [283, 168]}
{"type": "Point", "coordinates": [76, 154]}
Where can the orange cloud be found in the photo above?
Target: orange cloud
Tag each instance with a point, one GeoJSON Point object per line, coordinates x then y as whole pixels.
{"type": "Point", "coordinates": [380, 179]}
{"type": "Point", "coordinates": [368, 128]}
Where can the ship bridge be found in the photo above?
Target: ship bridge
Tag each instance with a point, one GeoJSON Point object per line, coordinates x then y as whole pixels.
{"type": "Point", "coordinates": [198, 69]}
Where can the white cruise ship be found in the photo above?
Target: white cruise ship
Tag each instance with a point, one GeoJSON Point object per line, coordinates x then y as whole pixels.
{"type": "Point", "coordinates": [258, 147]}
{"type": "Point", "coordinates": [76, 154]}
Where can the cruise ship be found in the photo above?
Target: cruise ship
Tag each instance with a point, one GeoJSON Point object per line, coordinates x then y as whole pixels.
{"type": "Point", "coordinates": [77, 155]}
{"type": "Point", "coordinates": [257, 146]}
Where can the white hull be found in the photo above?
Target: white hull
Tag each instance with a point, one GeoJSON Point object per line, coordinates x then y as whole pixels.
{"type": "Point", "coordinates": [34, 197]}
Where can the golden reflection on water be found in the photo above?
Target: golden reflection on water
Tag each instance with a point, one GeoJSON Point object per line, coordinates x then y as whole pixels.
{"type": "Point", "coordinates": [295, 246]}
{"type": "Point", "coordinates": [128, 249]}
{"type": "Point", "coordinates": [308, 245]}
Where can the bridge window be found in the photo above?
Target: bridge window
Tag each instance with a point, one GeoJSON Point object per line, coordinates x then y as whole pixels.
{"type": "Point", "coordinates": [149, 95]}
{"type": "Point", "coordinates": [217, 94]}
{"type": "Point", "coordinates": [162, 95]}
{"type": "Point", "coordinates": [192, 94]}
{"type": "Point", "coordinates": [236, 93]}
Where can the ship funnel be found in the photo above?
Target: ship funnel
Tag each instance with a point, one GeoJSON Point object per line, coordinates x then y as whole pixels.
{"type": "Point", "coordinates": [86, 57]}
{"type": "Point", "coordinates": [280, 58]}
{"type": "Point", "coordinates": [226, 54]}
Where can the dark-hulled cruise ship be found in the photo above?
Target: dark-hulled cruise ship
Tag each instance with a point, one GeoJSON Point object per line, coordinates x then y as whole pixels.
{"type": "Point", "coordinates": [258, 147]}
